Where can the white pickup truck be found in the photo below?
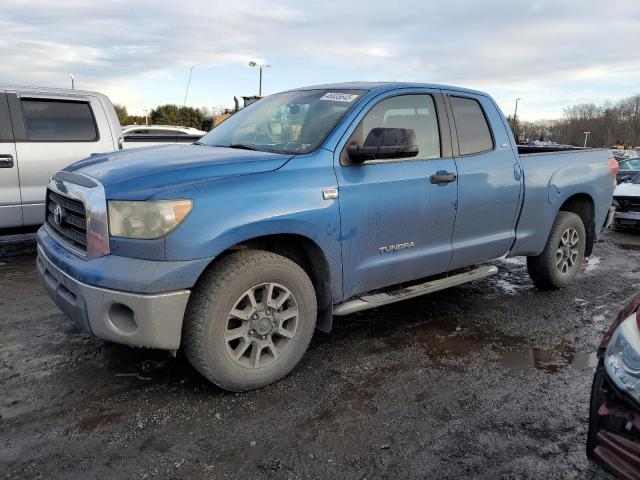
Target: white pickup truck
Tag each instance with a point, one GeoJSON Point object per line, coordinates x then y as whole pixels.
{"type": "Point", "coordinates": [42, 130]}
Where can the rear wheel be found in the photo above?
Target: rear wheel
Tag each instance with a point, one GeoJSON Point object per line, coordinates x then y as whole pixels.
{"type": "Point", "coordinates": [559, 262]}
{"type": "Point", "coordinates": [250, 320]}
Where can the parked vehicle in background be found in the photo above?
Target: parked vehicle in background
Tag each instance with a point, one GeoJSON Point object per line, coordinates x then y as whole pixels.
{"type": "Point", "coordinates": [628, 165]}
{"type": "Point", "coordinates": [135, 136]}
{"type": "Point", "coordinates": [42, 130]}
{"type": "Point", "coordinates": [613, 438]}
{"type": "Point", "coordinates": [623, 154]}
{"type": "Point", "coordinates": [307, 204]}
{"type": "Point", "coordinates": [626, 200]}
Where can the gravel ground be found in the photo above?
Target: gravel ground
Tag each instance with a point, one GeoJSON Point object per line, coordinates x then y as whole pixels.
{"type": "Point", "coordinates": [487, 380]}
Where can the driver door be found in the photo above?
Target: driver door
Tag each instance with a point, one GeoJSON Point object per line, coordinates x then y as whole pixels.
{"type": "Point", "coordinates": [396, 224]}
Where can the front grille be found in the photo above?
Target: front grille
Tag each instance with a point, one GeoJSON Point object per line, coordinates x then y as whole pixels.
{"type": "Point", "coordinates": [628, 204]}
{"type": "Point", "coordinates": [72, 224]}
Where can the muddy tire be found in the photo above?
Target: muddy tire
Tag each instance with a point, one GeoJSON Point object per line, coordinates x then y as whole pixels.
{"type": "Point", "coordinates": [250, 320]}
{"type": "Point", "coordinates": [559, 262]}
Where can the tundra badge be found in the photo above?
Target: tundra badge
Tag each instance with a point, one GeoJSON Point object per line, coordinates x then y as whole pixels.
{"type": "Point", "coordinates": [396, 247]}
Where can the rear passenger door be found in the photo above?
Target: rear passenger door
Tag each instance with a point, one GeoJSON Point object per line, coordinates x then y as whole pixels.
{"type": "Point", "coordinates": [10, 208]}
{"type": "Point", "coordinates": [52, 132]}
{"type": "Point", "coordinates": [489, 181]}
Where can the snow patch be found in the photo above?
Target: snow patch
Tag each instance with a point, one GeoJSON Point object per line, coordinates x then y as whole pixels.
{"type": "Point", "coordinates": [515, 260]}
{"type": "Point", "coordinates": [592, 264]}
{"type": "Point", "coordinates": [506, 286]}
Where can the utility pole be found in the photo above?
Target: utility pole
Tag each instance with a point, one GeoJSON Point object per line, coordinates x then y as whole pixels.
{"type": "Point", "coordinates": [73, 87]}
{"type": "Point", "coordinates": [515, 120]}
{"type": "Point", "coordinates": [146, 116]}
{"type": "Point", "coordinates": [260, 66]}
{"type": "Point", "coordinates": [586, 135]}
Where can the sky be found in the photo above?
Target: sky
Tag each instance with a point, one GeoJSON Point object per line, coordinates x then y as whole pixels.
{"type": "Point", "coordinates": [551, 54]}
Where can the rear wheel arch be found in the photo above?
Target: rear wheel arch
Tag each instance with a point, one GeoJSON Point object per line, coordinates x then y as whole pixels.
{"type": "Point", "coordinates": [582, 205]}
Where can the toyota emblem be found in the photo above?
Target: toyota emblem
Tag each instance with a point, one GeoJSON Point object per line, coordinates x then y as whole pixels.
{"type": "Point", "coordinates": [58, 215]}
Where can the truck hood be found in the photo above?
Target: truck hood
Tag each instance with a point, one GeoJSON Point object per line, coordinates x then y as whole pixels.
{"type": "Point", "coordinates": [140, 173]}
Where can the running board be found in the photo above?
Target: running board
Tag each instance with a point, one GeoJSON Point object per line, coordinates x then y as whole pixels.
{"type": "Point", "coordinates": [365, 302]}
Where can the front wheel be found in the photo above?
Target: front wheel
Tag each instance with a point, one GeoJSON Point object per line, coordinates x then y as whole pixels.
{"type": "Point", "coordinates": [250, 320]}
{"type": "Point", "coordinates": [559, 262]}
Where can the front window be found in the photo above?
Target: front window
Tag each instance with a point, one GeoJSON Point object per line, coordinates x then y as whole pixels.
{"type": "Point", "coordinates": [290, 122]}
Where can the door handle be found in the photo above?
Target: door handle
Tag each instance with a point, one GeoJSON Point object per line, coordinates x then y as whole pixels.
{"type": "Point", "coordinates": [443, 176]}
{"type": "Point", "coordinates": [6, 161]}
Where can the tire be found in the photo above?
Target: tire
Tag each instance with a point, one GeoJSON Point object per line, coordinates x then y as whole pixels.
{"type": "Point", "coordinates": [544, 269]}
{"type": "Point", "coordinates": [252, 346]}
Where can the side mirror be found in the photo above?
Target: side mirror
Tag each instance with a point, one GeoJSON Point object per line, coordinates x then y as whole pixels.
{"type": "Point", "coordinates": [383, 143]}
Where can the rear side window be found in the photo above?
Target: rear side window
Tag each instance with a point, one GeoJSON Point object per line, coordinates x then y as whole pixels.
{"type": "Point", "coordinates": [58, 121]}
{"type": "Point", "coordinates": [6, 132]}
{"type": "Point", "coordinates": [474, 135]}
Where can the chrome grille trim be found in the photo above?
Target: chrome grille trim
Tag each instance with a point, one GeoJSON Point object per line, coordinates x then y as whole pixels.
{"type": "Point", "coordinates": [90, 216]}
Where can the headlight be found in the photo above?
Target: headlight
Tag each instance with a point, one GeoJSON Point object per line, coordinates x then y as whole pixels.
{"type": "Point", "coordinates": [146, 220]}
{"type": "Point", "coordinates": [622, 358]}
{"type": "Point", "coordinates": [615, 203]}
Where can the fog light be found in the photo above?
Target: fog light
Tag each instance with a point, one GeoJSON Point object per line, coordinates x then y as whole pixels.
{"type": "Point", "coordinates": [122, 318]}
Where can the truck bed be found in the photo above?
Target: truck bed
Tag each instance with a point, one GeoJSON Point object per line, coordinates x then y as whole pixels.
{"type": "Point", "coordinates": [527, 149]}
{"type": "Point", "coordinates": [552, 177]}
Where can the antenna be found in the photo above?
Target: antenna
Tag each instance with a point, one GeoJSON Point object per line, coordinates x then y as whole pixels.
{"type": "Point", "coordinates": [184, 103]}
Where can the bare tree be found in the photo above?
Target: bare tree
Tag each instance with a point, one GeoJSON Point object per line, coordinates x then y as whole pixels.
{"type": "Point", "coordinates": [608, 123]}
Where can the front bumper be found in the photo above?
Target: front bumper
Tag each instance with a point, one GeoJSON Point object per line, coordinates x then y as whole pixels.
{"type": "Point", "coordinates": [630, 219]}
{"type": "Point", "coordinates": [138, 319]}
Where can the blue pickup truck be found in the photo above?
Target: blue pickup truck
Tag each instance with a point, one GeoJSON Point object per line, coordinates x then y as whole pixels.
{"type": "Point", "coordinates": [309, 204]}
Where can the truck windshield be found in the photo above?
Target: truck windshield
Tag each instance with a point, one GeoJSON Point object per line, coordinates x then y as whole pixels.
{"type": "Point", "coordinates": [290, 122]}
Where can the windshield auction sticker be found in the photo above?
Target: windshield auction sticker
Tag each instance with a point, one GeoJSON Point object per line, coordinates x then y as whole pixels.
{"type": "Point", "coordinates": [339, 97]}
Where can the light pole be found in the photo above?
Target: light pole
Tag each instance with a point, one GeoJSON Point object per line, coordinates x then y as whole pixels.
{"type": "Point", "coordinates": [261, 66]}
{"type": "Point", "coordinates": [73, 87]}
{"type": "Point", "coordinates": [515, 120]}
{"type": "Point", "coordinates": [586, 135]}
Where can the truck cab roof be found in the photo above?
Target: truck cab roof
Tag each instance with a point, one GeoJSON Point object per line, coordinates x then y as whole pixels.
{"type": "Point", "coordinates": [384, 86]}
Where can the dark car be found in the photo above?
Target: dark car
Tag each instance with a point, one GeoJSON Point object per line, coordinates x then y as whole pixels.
{"type": "Point", "coordinates": [613, 439]}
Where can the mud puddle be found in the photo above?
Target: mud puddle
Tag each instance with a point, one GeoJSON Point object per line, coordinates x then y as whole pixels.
{"type": "Point", "coordinates": [92, 423]}
{"type": "Point", "coordinates": [443, 340]}
{"type": "Point", "coordinates": [628, 246]}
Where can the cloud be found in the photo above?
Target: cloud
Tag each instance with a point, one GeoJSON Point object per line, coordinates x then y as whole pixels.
{"type": "Point", "coordinates": [502, 46]}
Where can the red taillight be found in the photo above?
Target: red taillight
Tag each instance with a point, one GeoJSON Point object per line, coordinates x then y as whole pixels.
{"type": "Point", "coordinates": [613, 166]}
